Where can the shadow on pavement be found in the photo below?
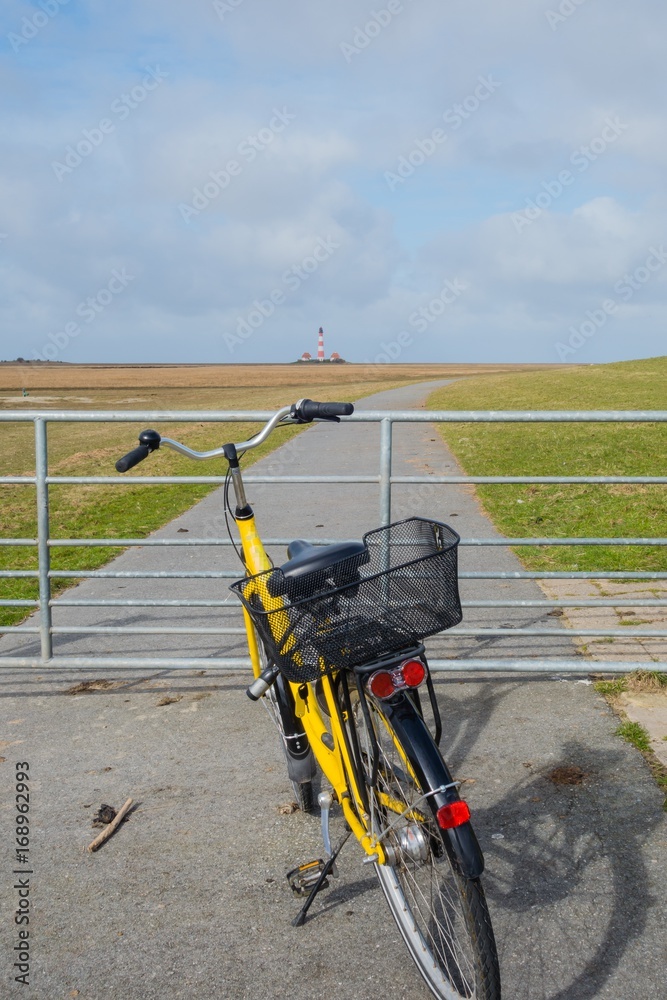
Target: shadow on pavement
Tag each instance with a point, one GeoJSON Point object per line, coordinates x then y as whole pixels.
{"type": "Point", "coordinates": [567, 884]}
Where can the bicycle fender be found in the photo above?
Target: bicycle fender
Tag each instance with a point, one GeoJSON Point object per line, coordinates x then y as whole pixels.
{"type": "Point", "coordinates": [300, 757]}
{"type": "Point", "coordinates": [301, 769]}
{"type": "Point", "coordinates": [432, 772]}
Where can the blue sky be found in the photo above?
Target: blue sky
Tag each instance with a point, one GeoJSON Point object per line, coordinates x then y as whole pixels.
{"type": "Point", "coordinates": [212, 181]}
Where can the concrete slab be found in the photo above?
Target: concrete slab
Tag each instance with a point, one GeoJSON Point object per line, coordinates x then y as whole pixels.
{"type": "Point", "coordinates": [647, 708]}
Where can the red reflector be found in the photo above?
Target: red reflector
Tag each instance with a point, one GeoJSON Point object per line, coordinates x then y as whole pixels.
{"type": "Point", "coordinates": [454, 814]}
{"type": "Point", "coordinates": [413, 672]}
{"type": "Point", "coordinates": [381, 684]}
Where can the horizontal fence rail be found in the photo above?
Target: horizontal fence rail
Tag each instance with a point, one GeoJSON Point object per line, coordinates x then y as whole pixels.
{"type": "Point", "coordinates": [554, 666]}
{"type": "Point", "coordinates": [41, 481]}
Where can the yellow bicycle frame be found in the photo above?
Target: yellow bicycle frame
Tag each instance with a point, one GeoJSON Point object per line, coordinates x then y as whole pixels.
{"type": "Point", "coordinates": [335, 764]}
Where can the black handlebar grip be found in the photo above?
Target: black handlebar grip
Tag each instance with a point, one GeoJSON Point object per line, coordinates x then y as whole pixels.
{"type": "Point", "coordinates": [308, 409]}
{"type": "Point", "coordinates": [133, 458]}
{"type": "Point", "coordinates": [149, 441]}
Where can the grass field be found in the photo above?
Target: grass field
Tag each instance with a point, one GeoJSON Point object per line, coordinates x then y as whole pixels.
{"type": "Point", "coordinates": [79, 511]}
{"type": "Point", "coordinates": [569, 449]}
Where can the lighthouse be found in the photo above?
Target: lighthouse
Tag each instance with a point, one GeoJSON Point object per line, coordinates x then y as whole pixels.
{"type": "Point", "coordinates": [310, 359]}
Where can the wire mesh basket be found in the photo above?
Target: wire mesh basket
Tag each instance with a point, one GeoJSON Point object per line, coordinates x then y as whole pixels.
{"type": "Point", "coordinates": [400, 589]}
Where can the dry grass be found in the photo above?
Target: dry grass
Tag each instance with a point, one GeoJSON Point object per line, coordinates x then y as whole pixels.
{"type": "Point", "coordinates": [647, 680]}
{"type": "Point", "coordinates": [307, 376]}
{"type": "Point", "coordinates": [637, 681]}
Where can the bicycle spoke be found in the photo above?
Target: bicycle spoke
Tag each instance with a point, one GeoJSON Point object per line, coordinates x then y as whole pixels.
{"type": "Point", "coordinates": [428, 897]}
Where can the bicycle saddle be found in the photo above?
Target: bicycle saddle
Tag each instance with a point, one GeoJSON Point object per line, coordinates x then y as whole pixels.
{"type": "Point", "coordinates": [305, 558]}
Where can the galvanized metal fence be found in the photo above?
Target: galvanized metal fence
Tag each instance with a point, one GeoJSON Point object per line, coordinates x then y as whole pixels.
{"type": "Point", "coordinates": [385, 480]}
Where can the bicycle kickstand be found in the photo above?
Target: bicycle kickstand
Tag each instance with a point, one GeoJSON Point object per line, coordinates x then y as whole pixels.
{"type": "Point", "coordinates": [321, 883]}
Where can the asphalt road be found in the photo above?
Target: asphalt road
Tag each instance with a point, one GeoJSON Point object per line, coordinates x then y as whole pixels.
{"type": "Point", "coordinates": [189, 898]}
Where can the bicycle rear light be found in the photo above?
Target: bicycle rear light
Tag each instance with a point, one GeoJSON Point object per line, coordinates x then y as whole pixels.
{"type": "Point", "coordinates": [381, 684]}
{"type": "Point", "coordinates": [384, 683]}
{"type": "Point", "coordinates": [414, 673]}
{"type": "Point", "coordinates": [454, 814]}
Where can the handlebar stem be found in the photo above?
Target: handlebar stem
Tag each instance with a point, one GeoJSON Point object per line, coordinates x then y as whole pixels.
{"type": "Point", "coordinates": [242, 507]}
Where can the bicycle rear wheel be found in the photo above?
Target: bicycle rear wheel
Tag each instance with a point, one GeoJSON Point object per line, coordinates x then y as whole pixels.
{"type": "Point", "coordinates": [442, 916]}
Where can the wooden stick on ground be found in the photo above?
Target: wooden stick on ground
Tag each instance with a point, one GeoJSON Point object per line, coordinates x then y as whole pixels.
{"type": "Point", "coordinates": [108, 830]}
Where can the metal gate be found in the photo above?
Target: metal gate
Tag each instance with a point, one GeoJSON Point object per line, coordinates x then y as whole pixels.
{"type": "Point", "coordinates": [41, 622]}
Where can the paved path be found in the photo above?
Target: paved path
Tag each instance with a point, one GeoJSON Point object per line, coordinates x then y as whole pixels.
{"type": "Point", "coordinates": [189, 898]}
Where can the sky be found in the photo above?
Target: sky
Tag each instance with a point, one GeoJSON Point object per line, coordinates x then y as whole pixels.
{"type": "Point", "coordinates": [428, 180]}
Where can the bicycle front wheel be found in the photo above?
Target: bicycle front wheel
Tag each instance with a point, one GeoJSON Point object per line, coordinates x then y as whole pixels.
{"type": "Point", "coordinates": [442, 916]}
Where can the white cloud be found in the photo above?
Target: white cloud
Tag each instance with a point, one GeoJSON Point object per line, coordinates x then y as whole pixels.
{"type": "Point", "coordinates": [322, 175]}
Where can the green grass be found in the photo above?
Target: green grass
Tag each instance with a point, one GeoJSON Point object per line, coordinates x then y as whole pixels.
{"type": "Point", "coordinates": [634, 733]}
{"type": "Point", "coordinates": [569, 510]}
{"type": "Point", "coordinates": [611, 689]}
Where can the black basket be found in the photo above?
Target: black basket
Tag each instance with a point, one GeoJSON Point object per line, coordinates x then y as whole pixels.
{"type": "Point", "coordinates": [398, 591]}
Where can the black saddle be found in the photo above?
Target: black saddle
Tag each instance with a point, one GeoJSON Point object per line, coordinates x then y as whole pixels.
{"type": "Point", "coordinates": [305, 558]}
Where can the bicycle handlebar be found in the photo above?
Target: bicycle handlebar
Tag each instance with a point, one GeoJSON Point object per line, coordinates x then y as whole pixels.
{"type": "Point", "coordinates": [307, 409]}
{"type": "Point", "coordinates": [303, 412]}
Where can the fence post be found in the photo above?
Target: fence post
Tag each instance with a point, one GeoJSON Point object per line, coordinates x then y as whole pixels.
{"type": "Point", "coordinates": [43, 554]}
{"type": "Point", "coordinates": [385, 470]}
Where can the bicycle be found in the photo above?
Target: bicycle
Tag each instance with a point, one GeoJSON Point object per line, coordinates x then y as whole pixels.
{"type": "Point", "coordinates": [335, 637]}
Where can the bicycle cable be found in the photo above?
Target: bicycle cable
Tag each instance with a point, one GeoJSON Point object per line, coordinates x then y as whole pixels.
{"type": "Point", "coordinates": [229, 513]}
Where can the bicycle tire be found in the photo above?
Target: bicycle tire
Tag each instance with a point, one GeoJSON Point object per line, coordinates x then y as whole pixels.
{"type": "Point", "coordinates": [303, 790]}
{"type": "Point", "coordinates": [441, 915]}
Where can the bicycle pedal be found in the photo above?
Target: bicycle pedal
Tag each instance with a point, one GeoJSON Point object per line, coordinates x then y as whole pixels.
{"type": "Point", "coordinates": [303, 878]}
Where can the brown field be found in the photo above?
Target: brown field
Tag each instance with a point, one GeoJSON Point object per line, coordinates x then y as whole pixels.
{"type": "Point", "coordinates": [63, 376]}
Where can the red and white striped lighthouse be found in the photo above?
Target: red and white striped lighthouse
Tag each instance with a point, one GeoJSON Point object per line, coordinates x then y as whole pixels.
{"type": "Point", "coordinates": [320, 345]}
